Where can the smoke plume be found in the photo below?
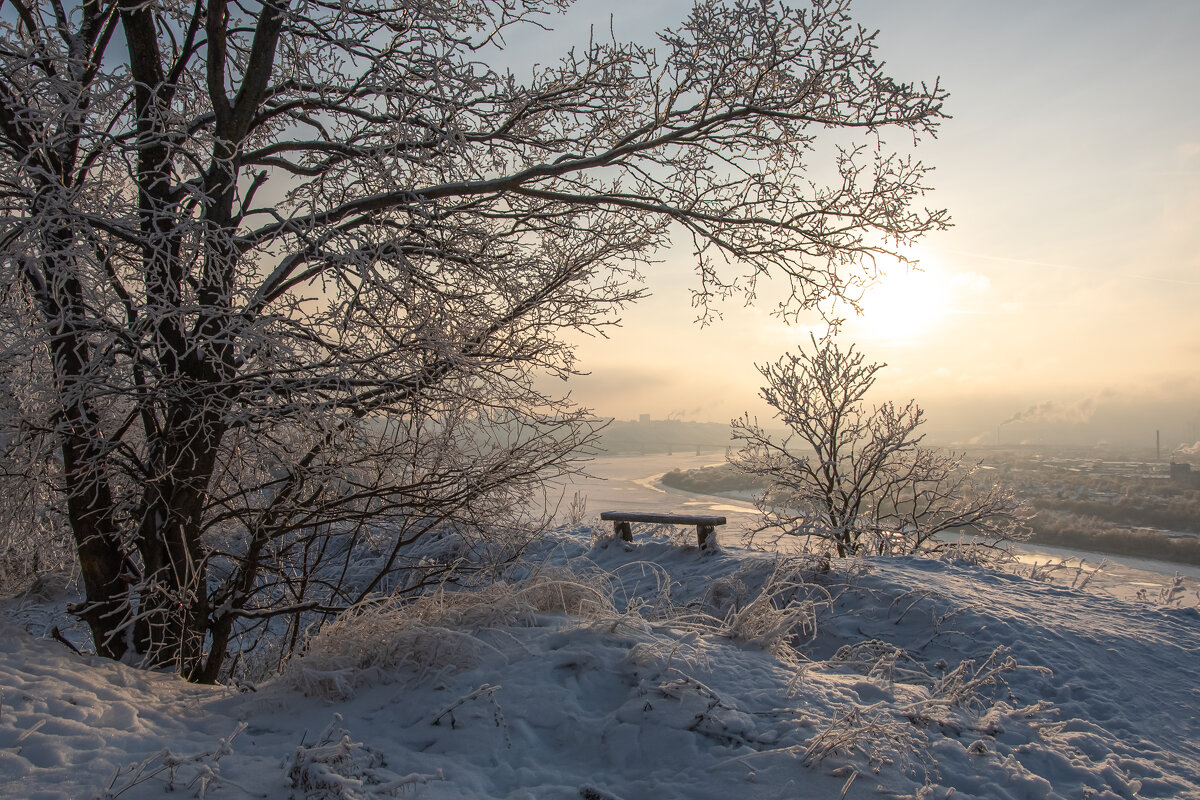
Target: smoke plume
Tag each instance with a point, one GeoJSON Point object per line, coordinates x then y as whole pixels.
{"type": "Point", "coordinates": [1050, 411]}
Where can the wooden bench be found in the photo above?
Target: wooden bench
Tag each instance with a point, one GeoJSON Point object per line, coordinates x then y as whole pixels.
{"type": "Point", "coordinates": [706, 527]}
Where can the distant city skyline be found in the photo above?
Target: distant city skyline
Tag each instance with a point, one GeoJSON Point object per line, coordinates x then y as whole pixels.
{"type": "Point", "coordinates": [1172, 438]}
{"type": "Point", "coordinates": [1071, 169]}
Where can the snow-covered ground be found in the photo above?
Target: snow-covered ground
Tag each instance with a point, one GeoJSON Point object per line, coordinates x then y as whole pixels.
{"type": "Point", "coordinates": [650, 671]}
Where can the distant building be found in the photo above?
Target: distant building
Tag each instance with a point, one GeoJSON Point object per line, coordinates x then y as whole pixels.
{"type": "Point", "coordinates": [644, 419]}
{"type": "Point", "coordinates": [1183, 475]}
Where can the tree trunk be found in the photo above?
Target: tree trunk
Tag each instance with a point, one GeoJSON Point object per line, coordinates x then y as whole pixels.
{"type": "Point", "coordinates": [173, 615]}
{"type": "Point", "coordinates": [89, 498]}
{"type": "Point", "coordinates": [101, 563]}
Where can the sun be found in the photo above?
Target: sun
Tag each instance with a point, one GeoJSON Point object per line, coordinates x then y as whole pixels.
{"type": "Point", "coordinates": [906, 306]}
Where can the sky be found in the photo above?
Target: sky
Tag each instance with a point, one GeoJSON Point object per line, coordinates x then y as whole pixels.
{"type": "Point", "coordinates": [1059, 308]}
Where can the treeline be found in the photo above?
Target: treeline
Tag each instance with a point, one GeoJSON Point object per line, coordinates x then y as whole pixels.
{"type": "Point", "coordinates": [1178, 513]}
{"type": "Point", "coordinates": [711, 480]}
{"type": "Point", "coordinates": [1084, 532]}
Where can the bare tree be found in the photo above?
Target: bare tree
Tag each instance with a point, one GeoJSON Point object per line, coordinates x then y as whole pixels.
{"type": "Point", "coordinates": [860, 479]}
{"type": "Point", "coordinates": [280, 276]}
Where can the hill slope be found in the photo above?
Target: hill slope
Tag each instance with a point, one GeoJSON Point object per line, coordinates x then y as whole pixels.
{"type": "Point", "coordinates": [651, 671]}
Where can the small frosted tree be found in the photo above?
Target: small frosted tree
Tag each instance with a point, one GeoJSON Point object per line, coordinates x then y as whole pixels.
{"type": "Point", "coordinates": [857, 477]}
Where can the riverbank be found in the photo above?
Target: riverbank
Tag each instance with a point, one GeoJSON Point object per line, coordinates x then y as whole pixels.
{"type": "Point", "coordinates": [634, 483]}
{"type": "Point", "coordinates": [1050, 528]}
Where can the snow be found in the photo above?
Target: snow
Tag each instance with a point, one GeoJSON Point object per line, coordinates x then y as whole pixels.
{"type": "Point", "coordinates": [650, 671]}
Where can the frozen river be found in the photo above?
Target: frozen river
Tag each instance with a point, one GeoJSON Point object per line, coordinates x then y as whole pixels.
{"type": "Point", "coordinates": [631, 483]}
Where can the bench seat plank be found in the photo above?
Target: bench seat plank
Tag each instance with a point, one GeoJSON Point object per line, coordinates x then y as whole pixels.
{"type": "Point", "coordinates": [660, 519]}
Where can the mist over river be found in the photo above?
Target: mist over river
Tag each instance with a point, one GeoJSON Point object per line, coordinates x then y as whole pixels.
{"type": "Point", "coordinates": [631, 483]}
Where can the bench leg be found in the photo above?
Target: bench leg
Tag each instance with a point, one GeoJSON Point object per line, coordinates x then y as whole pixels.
{"type": "Point", "coordinates": [622, 530]}
{"type": "Point", "coordinates": [706, 537]}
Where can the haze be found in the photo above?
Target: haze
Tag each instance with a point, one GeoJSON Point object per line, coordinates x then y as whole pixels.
{"type": "Point", "coordinates": [1060, 306]}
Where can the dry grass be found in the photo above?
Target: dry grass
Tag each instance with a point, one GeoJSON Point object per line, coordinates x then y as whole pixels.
{"type": "Point", "coordinates": [435, 631]}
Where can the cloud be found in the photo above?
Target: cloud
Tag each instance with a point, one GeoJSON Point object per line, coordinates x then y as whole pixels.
{"type": "Point", "coordinates": [1013, 260]}
{"type": "Point", "coordinates": [1189, 149]}
{"type": "Point", "coordinates": [1176, 281]}
{"type": "Point", "coordinates": [971, 282]}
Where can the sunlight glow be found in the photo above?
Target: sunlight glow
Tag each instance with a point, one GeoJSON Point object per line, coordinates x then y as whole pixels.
{"type": "Point", "coordinates": [905, 306]}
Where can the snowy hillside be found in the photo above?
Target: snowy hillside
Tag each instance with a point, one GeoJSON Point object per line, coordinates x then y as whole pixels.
{"type": "Point", "coordinates": [651, 671]}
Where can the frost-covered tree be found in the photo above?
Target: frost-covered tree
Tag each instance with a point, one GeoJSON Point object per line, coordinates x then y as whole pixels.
{"type": "Point", "coordinates": [858, 477]}
{"type": "Point", "coordinates": [279, 275]}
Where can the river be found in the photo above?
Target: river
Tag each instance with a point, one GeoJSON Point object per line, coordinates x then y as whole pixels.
{"type": "Point", "coordinates": [631, 483]}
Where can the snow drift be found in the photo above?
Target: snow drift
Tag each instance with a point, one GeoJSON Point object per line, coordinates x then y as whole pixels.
{"type": "Point", "coordinates": [609, 671]}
